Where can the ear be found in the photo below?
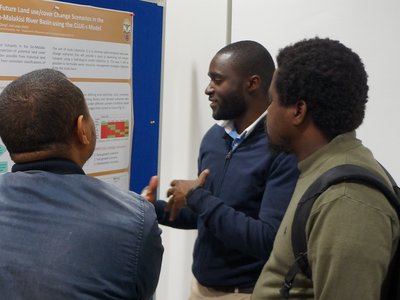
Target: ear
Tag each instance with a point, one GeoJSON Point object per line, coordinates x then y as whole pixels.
{"type": "Point", "coordinates": [82, 130]}
{"type": "Point", "coordinates": [299, 112]}
{"type": "Point", "coordinates": [253, 83]}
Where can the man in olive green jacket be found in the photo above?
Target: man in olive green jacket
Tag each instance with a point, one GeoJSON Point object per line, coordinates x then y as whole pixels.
{"type": "Point", "coordinates": [318, 96]}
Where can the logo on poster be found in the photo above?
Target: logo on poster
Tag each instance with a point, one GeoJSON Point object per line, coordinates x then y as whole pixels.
{"type": "Point", "coordinates": [126, 29]}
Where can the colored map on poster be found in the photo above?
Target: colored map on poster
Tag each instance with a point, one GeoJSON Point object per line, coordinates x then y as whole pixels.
{"type": "Point", "coordinates": [114, 129]}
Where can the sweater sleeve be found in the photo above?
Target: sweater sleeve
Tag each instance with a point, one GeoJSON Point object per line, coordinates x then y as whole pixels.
{"type": "Point", "coordinates": [186, 218]}
{"type": "Point", "coordinates": [252, 236]}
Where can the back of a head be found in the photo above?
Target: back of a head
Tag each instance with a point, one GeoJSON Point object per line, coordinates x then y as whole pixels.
{"type": "Point", "coordinates": [39, 111]}
{"type": "Point", "coordinates": [251, 58]}
{"type": "Point", "coordinates": [330, 78]}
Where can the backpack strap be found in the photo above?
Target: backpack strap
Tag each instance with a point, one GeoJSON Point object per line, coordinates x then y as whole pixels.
{"type": "Point", "coordinates": [336, 175]}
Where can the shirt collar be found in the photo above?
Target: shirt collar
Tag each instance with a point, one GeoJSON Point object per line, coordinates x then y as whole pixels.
{"type": "Point", "coordinates": [56, 165]}
{"type": "Point", "coordinates": [231, 130]}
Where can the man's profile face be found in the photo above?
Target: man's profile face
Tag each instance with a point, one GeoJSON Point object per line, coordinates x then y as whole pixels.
{"type": "Point", "coordinates": [225, 90]}
{"type": "Point", "coordinates": [278, 128]}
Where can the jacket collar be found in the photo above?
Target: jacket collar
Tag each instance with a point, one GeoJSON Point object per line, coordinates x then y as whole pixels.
{"type": "Point", "coordinates": [55, 165]}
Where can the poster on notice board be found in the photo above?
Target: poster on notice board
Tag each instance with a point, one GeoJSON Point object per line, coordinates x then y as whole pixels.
{"type": "Point", "coordinates": [93, 48]}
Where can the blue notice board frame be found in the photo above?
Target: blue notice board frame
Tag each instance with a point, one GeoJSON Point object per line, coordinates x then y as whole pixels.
{"type": "Point", "coordinates": [146, 75]}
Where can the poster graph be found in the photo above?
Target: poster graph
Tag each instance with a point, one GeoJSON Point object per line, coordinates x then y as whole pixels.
{"type": "Point", "coordinates": [114, 129]}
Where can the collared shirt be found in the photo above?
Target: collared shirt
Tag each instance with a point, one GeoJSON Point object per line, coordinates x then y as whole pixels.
{"type": "Point", "coordinates": [230, 129]}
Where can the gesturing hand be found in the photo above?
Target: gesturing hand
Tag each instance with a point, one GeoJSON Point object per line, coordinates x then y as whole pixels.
{"type": "Point", "coordinates": [179, 190]}
{"type": "Point", "coordinates": [149, 192]}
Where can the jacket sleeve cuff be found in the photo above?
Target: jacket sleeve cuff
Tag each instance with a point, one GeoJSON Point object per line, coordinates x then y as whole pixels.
{"type": "Point", "coordinates": [201, 201]}
{"type": "Point", "coordinates": [189, 194]}
{"type": "Point", "coordinates": [159, 206]}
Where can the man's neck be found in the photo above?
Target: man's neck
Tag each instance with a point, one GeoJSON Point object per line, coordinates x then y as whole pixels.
{"type": "Point", "coordinates": [256, 107]}
{"type": "Point", "coordinates": [308, 143]}
{"type": "Point", "coordinates": [26, 157]}
{"type": "Point", "coordinates": [242, 123]}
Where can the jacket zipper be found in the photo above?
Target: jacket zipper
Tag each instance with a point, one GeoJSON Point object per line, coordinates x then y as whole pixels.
{"type": "Point", "coordinates": [228, 157]}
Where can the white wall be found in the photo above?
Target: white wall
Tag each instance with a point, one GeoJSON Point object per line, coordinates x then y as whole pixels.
{"type": "Point", "coordinates": [194, 32]}
{"type": "Point", "coordinates": [369, 27]}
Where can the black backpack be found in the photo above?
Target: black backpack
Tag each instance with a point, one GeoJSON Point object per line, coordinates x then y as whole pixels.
{"type": "Point", "coordinates": [339, 174]}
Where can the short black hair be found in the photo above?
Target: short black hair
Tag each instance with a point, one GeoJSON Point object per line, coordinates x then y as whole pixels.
{"type": "Point", "coordinates": [251, 58]}
{"type": "Point", "coordinates": [39, 110]}
{"type": "Point", "coordinates": [330, 78]}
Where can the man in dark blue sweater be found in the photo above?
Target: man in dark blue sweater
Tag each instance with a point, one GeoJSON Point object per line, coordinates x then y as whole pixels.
{"type": "Point", "coordinates": [236, 204]}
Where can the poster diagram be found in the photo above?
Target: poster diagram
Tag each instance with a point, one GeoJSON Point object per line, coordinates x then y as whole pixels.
{"type": "Point", "coordinates": [93, 48]}
{"type": "Point", "coordinates": [114, 129]}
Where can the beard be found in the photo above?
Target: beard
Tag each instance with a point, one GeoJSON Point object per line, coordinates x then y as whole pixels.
{"type": "Point", "coordinates": [278, 147]}
{"type": "Point", "coordinates": [230, 107]}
